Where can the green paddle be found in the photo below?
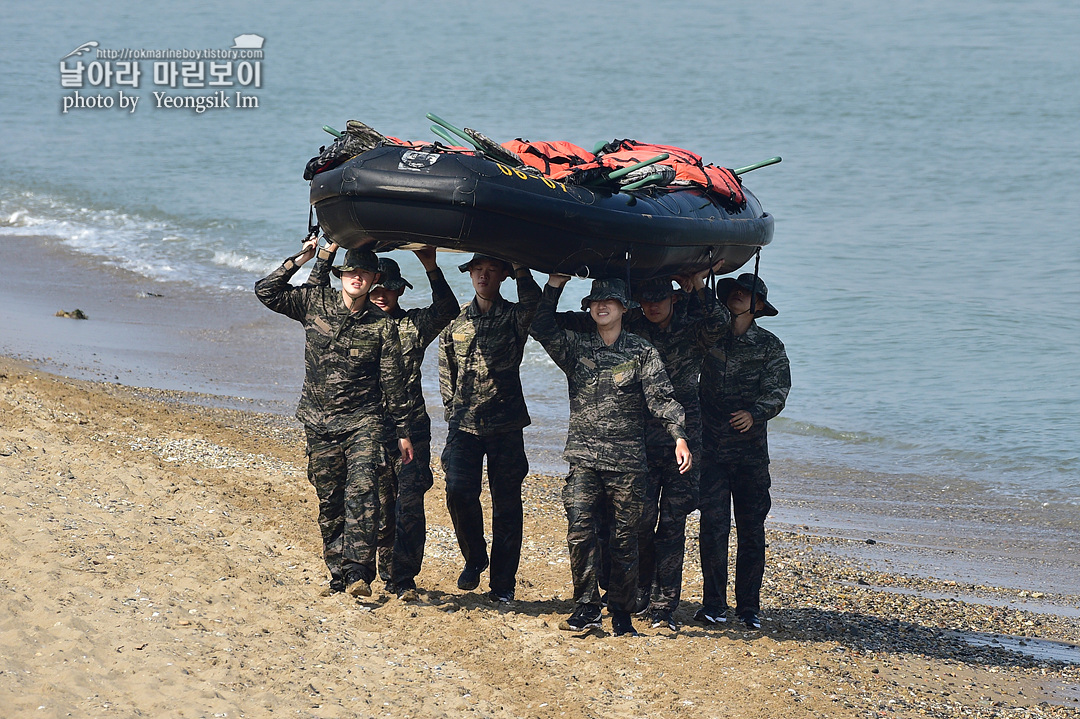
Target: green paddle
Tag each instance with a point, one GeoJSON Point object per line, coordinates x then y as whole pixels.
{"type": "Point", "coordinates": [757, 165]}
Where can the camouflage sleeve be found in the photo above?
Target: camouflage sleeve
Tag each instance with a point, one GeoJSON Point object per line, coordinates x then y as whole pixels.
{"type": "Point", "coordinates": [275, 292]}
{"type": "Point", "coordinates": [392, 379]}
{"type": "Point", "coordinates": [712, 317]}
{"type": "Point", "coordinates": [529, 294]}
{"type": "Point", "coordinates": [660, 395]}
{"type": "Point", "coordinates": [557, 342]}
{"type": "Point", "coordinates": [320, 273]}
{"type": "Point", "coordinates": [433, 319]}
{"type": "Point", "coordinates": [634, 322]}
{"type": "Point", "coordinates": [447, 367]}
{"type": "Point", "coordinates": [576, 321]}
{"type": "Point", "coordinates": [775, 384]}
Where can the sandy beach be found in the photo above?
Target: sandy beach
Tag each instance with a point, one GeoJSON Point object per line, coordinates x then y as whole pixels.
{"type": "Point", "coordinates": [161, 558]}
{"type": "Point", "coordinates": [159, 551]}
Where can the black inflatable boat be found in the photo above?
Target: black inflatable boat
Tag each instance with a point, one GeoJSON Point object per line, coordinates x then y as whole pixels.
{"type": "Point", "coordinates": [396, 196]}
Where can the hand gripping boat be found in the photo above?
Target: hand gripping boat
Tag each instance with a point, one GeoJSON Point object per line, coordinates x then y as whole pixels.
{"type": "Point", "coordinates": [572, 212]}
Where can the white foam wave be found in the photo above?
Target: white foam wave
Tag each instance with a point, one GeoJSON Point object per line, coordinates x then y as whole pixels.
{"type": "Point", "coordinates": [157, 248]}
{"type": "Point", "coordinates": [255, 265]}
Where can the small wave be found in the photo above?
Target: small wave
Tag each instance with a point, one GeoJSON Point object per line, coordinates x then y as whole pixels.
{"type": "Point", "coordinates": [152, 245]}
{"type": "Point", "coordinates": [256, 265]}
{"type": "Point", "coordinates": [807, 429]}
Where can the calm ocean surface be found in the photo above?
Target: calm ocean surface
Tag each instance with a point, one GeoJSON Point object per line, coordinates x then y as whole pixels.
{"type": "Point", "coordinates": [926, 261]}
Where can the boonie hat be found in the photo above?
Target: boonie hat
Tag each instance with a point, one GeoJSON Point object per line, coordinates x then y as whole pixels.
{"type": "Point", "coordinates": [357, 259]}
{"type": "Point", "coordinates": [479, 258]}
{"type": "Point", "coordinates": [391, 275]}
{"type": "Point", "coordinates": [747, 282]}
{"type": "Point", "coordinates": [610, 289]}
{"type": "Point", "coordinates": [654, 290]}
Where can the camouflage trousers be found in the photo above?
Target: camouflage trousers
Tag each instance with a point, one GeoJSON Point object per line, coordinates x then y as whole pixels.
{"type": "Point", "coordinates": [744, 487]}
{"type": "Point", "coordinates": [588, 495]}
{"type": "Point", "coordinates": [402, 522]}
{"type": "Point", "coordinates": [669, 497]}
{"type": "Point", "coordinates": [342, 468]}
{"type": "Point", "coordinates": [507, 465]}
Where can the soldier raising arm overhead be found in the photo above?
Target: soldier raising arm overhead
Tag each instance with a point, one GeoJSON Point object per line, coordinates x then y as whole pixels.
{"type": "Point", "coordinates": [480, 355]}
{"type": "Point", "coordinates": [613, 378]}
{"type": "Point", "coordinates": [353, 379]}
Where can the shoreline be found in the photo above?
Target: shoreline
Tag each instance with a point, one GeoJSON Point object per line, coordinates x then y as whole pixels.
{"type": "Point", "coordinates": [219, 349]}
{"type": "Point", "coordinates": [152, 537]}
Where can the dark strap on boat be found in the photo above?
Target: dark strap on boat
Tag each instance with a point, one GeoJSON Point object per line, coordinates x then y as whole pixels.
{"type": "Point", "coordinates": [753, 287]}
{"type": "Point", "coordinates": [312, 226]}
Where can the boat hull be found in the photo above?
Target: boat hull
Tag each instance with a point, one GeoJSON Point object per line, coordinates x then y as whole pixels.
{"type": "Point", "coordinates": [395, 197]}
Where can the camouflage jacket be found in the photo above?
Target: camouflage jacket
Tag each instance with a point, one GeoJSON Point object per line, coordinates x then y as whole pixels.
{"type": "Point", "coordinates": [353, 368]}
{"type": "Point", "coordinates": [417, 328]}
{"type": "Point", "coordinates": [611, 390]}
{"type": "Point", "coordinates": [479, 358]}
{"type": "Point", "coordinates": [749, 372]}
{"type": "Point", "coordinates": [698, 323]}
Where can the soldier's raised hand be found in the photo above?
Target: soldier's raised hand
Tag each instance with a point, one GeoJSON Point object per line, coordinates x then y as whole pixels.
{"type": "Point", "coordinates": [696, 281]}
{"type": "Point", "coordinates": [426, 255]}
{"type": "Point", "coordinates": [311, 245]}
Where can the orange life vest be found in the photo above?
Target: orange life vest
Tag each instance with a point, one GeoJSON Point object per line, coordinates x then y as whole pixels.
{"type": "Point", "coordinates": [689, 167]}
{"type": "Point", "coordinates": [554, 159]}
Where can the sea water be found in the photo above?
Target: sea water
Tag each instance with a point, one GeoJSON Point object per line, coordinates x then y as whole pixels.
{"type": "Point", "coordinates": [925, 260]}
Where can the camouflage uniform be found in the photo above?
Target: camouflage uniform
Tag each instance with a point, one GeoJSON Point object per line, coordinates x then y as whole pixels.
{"type": "Point", "coordinates": [697, 323]}
{"type": "Point", "coordinates": [402, 522]}
{"type": "Point", "coordinates": [479, 357]}
{"type": "Point", "coordinates": [353, 380]}
{"type": "Point", "coordinates": [611, 389]}
{"type": "Point", "coordinates": [747, 372]}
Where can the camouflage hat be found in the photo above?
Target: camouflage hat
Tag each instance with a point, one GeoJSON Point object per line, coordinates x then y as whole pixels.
{"type": "Point", "coordinates": [655, 290]}
{"type": "Point", "coordinates": [611, 289]}
{"type": "Point", "coordinates": [391, 275]}
{"type": "Point", "coordinates": [747, 281]}
{"type": "Point", "coordinates": [480, 258]}
{"type": "Point", "coordinates": [357, 259]}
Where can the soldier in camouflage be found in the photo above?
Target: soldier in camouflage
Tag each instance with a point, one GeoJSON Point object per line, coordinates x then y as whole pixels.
{"type": "Point", "coordinates": [682, 326]}
{"type": "Point", "coordinates": [614, 378]}
{"type": "Point", "coordinates": [402, 521]}
{"type": "Point", "coordinates": [354, 379]}
{"type": "Point", "coordinates": [479, 356]}
{"type": "Point", "coordinates": [745, 381]}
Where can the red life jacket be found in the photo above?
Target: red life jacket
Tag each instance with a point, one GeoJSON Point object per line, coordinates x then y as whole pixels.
{"type": "Point", "coordinates": [554, 159]}
{"type": "Point", "coordinates": [688, 166]}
